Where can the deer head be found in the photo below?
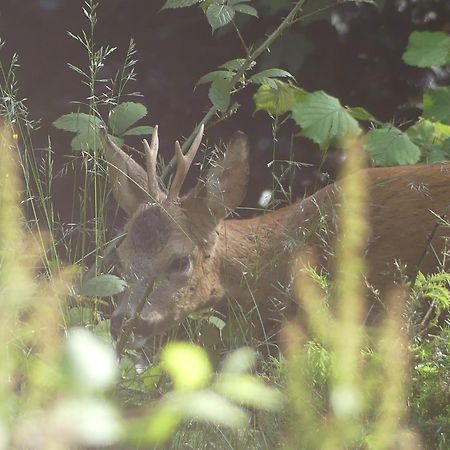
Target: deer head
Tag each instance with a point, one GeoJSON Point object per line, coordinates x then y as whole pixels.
{"type": "Point", "coordinates": [171, 242]}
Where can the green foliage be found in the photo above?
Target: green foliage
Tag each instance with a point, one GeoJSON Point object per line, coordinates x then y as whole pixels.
{"type": "Point", "coordinates": [433, 138]}
{"type": "Point", "coordinates": [218, 12]}
{"type": "Point", "coordinates": [103, 286]}
{"type": "Point", "coordinates": [427, 49]}
{"type": "Point", "coordinates": [430, 396]}
{"type": "Point", "coordinates": [219, 94]}
{"type": "Point", "coordinates": [323, 119]}
{"type": "Point", "coordinates": [269, 77]}
{"type": "Point", "coordinates": [280, 100]}
{"type": "Point", "coordinates": [88, 127]}
{"type": "Point", "coordinates": [389, 146]}
{"type": "Point", "coordinates": [436, 104]}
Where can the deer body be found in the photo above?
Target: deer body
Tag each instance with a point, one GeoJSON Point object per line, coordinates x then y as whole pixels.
{"type": "Point", "coordinates": [197, 258]}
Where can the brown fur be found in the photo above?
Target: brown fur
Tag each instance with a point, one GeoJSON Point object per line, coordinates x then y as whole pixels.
{"type": "Point", "coordinates": [403, 205]}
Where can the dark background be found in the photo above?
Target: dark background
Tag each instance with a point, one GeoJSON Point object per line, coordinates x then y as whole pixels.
{"type": "Point", "coordinates": [353, 53]}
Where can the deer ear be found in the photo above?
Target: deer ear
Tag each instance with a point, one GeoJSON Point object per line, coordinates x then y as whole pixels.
{"type": "Point", "coordinates": [128, 178]}
{"type": "Point", "coordinates": [225, 185]}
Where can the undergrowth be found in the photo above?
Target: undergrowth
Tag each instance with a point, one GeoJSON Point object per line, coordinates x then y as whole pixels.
{"type": "Point", "coordinates": [344, 387]}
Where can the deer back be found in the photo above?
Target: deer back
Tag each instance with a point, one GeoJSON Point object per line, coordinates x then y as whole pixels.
{"type": "Point", "coordinates": [194, 258]}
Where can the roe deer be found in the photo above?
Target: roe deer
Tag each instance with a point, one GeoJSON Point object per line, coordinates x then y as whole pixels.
{"type": "Point", "coordinates": [197, 258]}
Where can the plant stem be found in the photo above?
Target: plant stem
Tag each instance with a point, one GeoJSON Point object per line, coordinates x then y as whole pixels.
{"type": "Point", "coordinates": [287, 21]}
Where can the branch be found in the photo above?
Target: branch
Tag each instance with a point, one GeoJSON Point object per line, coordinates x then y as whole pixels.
{"type": "Point", "coordinates": [288, 21]}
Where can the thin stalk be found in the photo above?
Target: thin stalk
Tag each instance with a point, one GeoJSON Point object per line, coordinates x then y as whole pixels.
{"type": "Point", "coordinates": [287, 21]}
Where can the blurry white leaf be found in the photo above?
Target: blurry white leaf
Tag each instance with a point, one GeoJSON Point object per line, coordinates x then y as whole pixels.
{"type": "Point", "coordinates": [207, 406]}
{"type": "Point", "coordinates": [91, 362]}
{"type": "Point", "coordinates": [240, 360]}
{"type": "Point", "coordinates": [87, 421]}
{"type": "Point", "coordinates": [250, 391]}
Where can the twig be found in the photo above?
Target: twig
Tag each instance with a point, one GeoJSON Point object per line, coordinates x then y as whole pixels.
{"type": "Point", "coordinates": [129, 324]}
{"type": "Point", "coordinates": [288, 21]}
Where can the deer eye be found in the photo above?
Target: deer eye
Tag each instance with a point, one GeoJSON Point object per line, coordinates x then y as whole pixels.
{"type": "Point", "coordinates": [180, 264]}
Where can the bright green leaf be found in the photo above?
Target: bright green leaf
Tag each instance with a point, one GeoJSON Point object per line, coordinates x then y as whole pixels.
{"type": "Point", "coordinates": [78, 123]}
{"type": "Point", "coordinates": [180, 3]}
{"type": "Point", "coordinates": [427, 49]}
{"type": "Point", "coordinates": [187, 365]}
{"type": "Point", "coordinates": [124, 115]}
{"type": "Point", "coordinates": [278, 101]}
{"type": "Point", "coordinates": [436, 104]}
{"type": "Point", "coordinates": [158, 427]}
{"type": "Point", "coordinates": [389, 146]}
{"type": "Point", "coordinates": [139, 131]}
{"type": "Point", "coordinates": [219, 94]}
{"type": "Point", "coordinates": [219, 15]}
{"type": "Point", "coordinates": [103, 286]}
{"type": "Point", "coordinates": [323, 119]}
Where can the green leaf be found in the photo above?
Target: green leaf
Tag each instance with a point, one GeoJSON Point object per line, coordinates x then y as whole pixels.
{"type": "Point", "coordinates": [389, 146]}
{"type": "Point", "coordinates": [219, 94]}
{"type": "Point", "coordinates": [86, 141]}
{"type": "Point", "coordinates": [431, 138]}
{"type": "Point", "coordinates": [246, 9]}
{"type": "Point", "coordinates": [78, 123]}
{"type": "Point", "coordinates": [436, 104]}
{"type": "Point", "coordinates": [359, 113]}
{"type": "Point", "coordinates": [219, 15]}
{"type": "Point", "coordinates": [124, 115]}
{"type": "Point", "coordinates": [265, 77]}
{"type": "Point", "coordinates": [139, 131]}
{"type": "Point", "coordinates": [278, 101]}
{"type": "Point", "coordinates": [103, 286]}
{"type": "Point", "coordinates": [78, 316]}
{"type": "Point", "coordinates": [323, 119]}
{"type": "Point", "coordinates": [216, 75]}
{"type": "Point", "coordinates": [187, 365]}
{"type": "Point", "coordinates": [217, 322]}
{"type": "Point", "coordinates": [427, 49]}
{"type": "Point", "coordinates": [170, 4]}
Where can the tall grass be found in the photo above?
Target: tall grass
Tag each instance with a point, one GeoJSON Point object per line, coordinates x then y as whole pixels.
{"type": "Point", "coordinates": [346, 386]}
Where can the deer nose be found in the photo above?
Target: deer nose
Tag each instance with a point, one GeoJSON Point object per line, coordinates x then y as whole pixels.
{"type": "Point", "coordinates": [116, 324]}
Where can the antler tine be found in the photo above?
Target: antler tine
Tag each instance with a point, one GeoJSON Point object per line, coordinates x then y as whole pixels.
{"type": "Point", "coordinates": [183, 164]}
{"type": "Point", "coordinates": [151, 153]}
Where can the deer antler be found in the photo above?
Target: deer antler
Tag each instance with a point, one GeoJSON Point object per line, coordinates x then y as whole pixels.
{"type": "Point", "coordinates": [183, 164]}
{"type": "Point", "coordinates": [151, 153]}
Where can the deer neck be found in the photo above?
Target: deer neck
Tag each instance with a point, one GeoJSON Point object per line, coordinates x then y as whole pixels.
{"type": "Point", "coordinates": [257, 253]}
